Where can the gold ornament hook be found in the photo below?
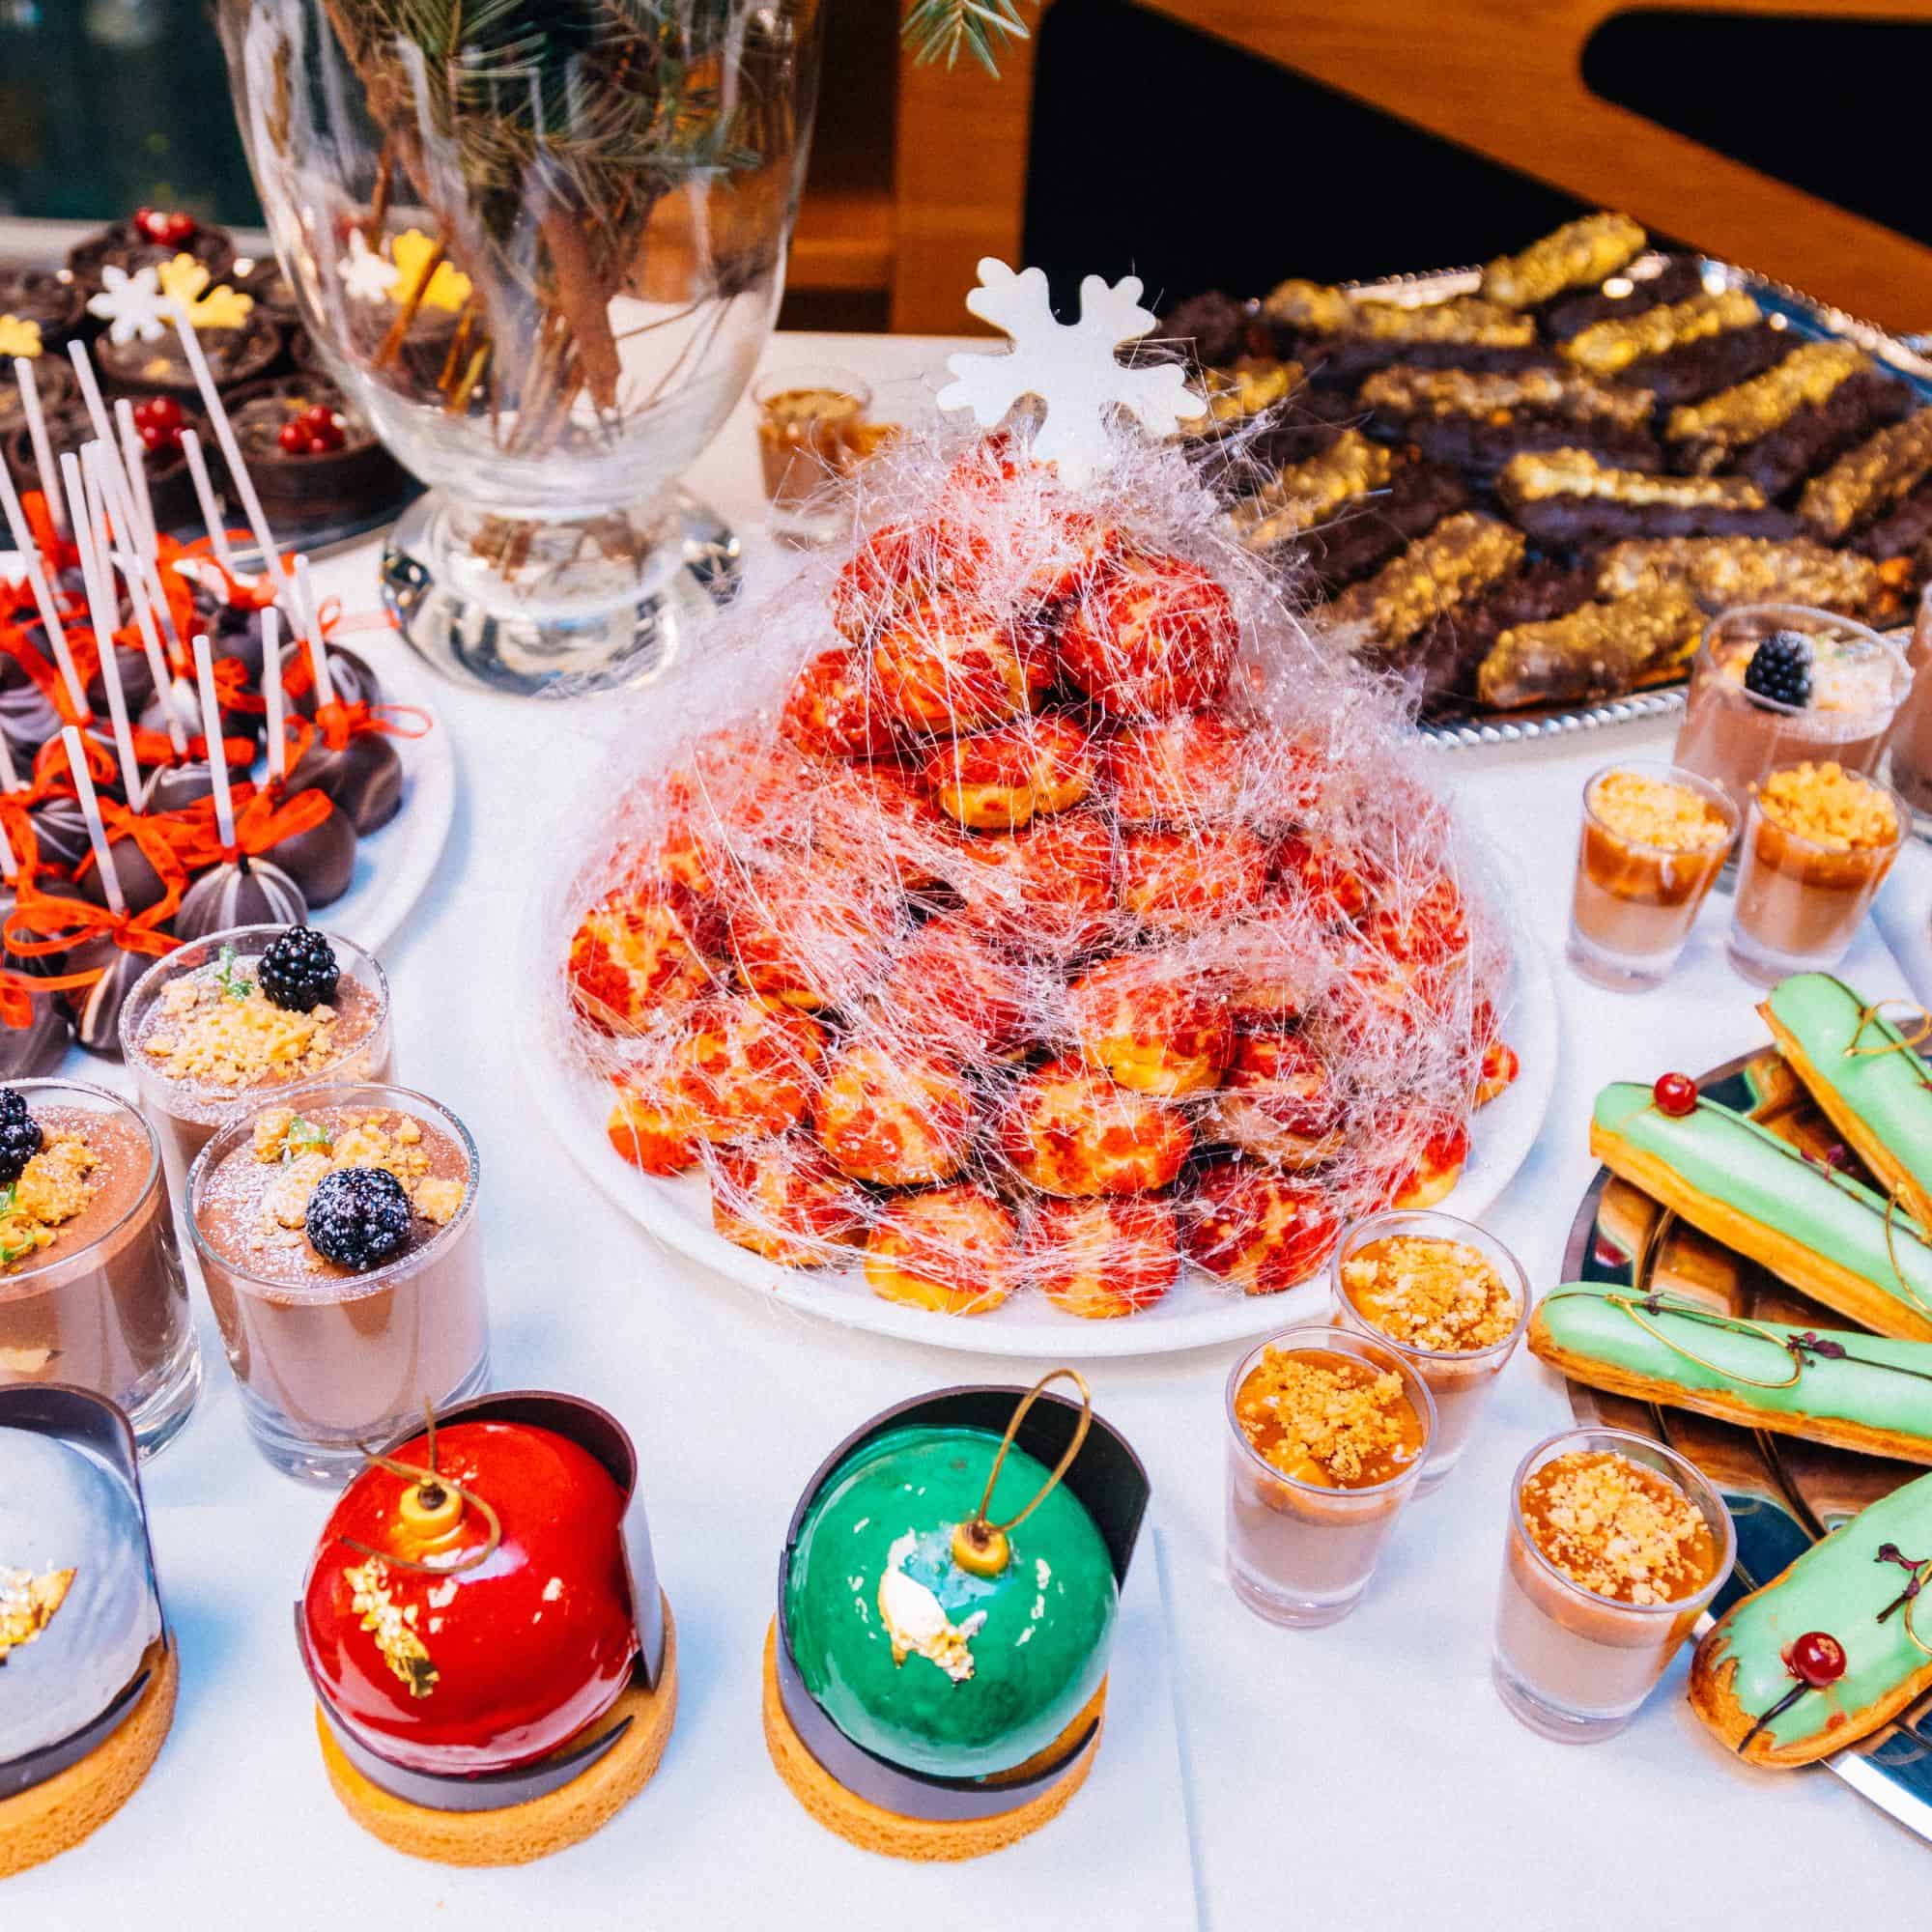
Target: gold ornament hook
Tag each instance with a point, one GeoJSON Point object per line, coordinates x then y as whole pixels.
{"type": "Point", "coordinates": [981, 1547]}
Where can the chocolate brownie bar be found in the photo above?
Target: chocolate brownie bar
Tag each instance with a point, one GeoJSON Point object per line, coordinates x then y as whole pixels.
{"type": "Point", "coordinates": [1905, 535]}
{"type": "Point", "coordinates": [1441, 660]}
{"type": "Point", "coordinates": [1578, 255]}
{"type": "Point", "coordinates": [1610, 348]}
{"type": "Point", "coordinates": [1342, 337]}
{"type": "Point", "coordinates": [1478, 421]}
{"type": "Point", "coordinates": [1207, 328]}
{"type": "Point", "coordinates": [1566, 496]}
{"type": "Point", "coordinates": [1867, 481]}
{"type": "Point", "coordinates": [1675, 279]}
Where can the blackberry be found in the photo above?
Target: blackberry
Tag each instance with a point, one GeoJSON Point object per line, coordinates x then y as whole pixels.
{"type": "Point", "coordinates": [357, 1217]}
{"type": "Point", "coordinates": [1781, 669]}
{"type": "Point", "coordinates": [298, 970]}
{"type": "Point", "coordinates": [20, 1136]}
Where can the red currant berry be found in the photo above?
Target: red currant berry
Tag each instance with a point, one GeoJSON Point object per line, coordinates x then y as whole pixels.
{"type": "Point", "coordinates": [147, 224]}
{"type": "Point", "coordinates": [160, 413]}
{"type": "Point", "coordinates": [1675, 1095]}
{"type": "Point", "coordinates": [293, 437]}
{"type": "Point", "coordinates": [153, 440]}
{"type": "Point", "coordinates": [1816, 1659]}
{"type": "Point", "coordinates": [318, 445]}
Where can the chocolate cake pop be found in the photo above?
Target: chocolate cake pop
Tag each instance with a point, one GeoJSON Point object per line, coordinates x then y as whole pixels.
{"type": "Point", "coordinates": [364, 778]}
{"type": "Point", "coordinates": [27, 717]}
{"type": "Point", "coordinates": [60, 832]}
{"type": "Point", "coordinates": [141, 886]}
{"type": "Point", "coordinates": [322, 858]}
{"type": "Point", "coordinates": [39, 1046]}
{"type": "Point", "coordinates": [355, 680]}
{"type": "Point", "coordinates": [138, 685]}
{"type": "Point", "coordinates": [239, 891]}
{"type": "Point", "coordinates": [96, 1009]}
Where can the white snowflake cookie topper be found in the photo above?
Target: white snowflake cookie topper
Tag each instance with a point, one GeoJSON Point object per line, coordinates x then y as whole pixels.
{"type": "Point", "coordinates": [130, 305]}
{"type": "Point", "coordinates": [1069, 366]}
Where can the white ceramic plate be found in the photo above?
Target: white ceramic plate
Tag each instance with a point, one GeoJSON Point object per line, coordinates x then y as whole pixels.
{"type": "Point", "coordinates": [1197, 1312]}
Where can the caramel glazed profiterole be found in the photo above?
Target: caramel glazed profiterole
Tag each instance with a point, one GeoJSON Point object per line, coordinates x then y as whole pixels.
{"type": "Point", "coordinates": [1832, 1649]}
{"type": "Point", "coordinates": [1826, 1233]}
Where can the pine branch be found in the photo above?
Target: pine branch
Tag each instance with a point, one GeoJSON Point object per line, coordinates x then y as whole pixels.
{"type": "Point", "coordinates": [938, 29]}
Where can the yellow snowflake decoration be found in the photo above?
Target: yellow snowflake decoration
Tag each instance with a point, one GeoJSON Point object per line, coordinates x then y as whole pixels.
{"type": "Point", "coordinates": [184, 281]}
{"type": "Point", "coordinates": [412, 251]}
{"type": "Point", "coordinates": [18, 338]}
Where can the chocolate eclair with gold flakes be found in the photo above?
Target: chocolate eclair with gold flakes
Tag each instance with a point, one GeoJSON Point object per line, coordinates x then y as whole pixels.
{"type": "Point", "coordinates": [1720, 572]}
{"type": "Point", "coordinates": [1592, 652]}
{"type": "Point", "coordinates": [1867, 481]}
{"type": "Point", "coordinates": [1460, 558]}
{"type": "Point", "coordinates": [1566, 496]}
{"type": "Point", "coordinates": [1610, 348]}
{"type": "Point", "coordinates": [1779, 427]}
{"type": "Point", "coordinates": [1480, 418]}
{"type": "Point", "coordinates": [1442, 659]}
{"type": "Point", "coordinates": [1576, 255]}
{"type": "Point", "coordinates": [1341, 336]}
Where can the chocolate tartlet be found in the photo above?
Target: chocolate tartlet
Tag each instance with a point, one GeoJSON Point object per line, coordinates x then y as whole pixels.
{"type": "Point", "coordinates": [147, 239]}
{"type": "Point", "coordinates": [310, 452]}
{"type": "Point", "coordinates": [38, 298]}
{"type": "Point", "coordinates": [235, 355]}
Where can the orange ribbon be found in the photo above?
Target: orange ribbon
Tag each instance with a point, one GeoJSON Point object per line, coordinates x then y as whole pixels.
{"type": "Point", "coordinates": [262, 822]}
{"type": "Point", "coordinates": [41, 925]}
{"type": "Point", "coordinates": [337, 723]}
{"type": "Point", "coordinates": [53, 778]}
{"type": "Point", "coordinates": [46, 676]}
{"type": "Point", "coordinates": [17, 999]}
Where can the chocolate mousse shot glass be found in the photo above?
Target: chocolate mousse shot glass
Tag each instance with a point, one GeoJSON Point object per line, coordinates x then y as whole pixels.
{"type": "Point", "coordinates": [1655, 838]}
{"type": "Point", "coordinates": [1451, 1300]}
{"type": "Point", "coordinates": [1818, 843]}
{"type": "Point", "coordinates": [336, 1232]}
{"type": "Point", "coordinates": [1327, 1433]}
{"type": "Point", "coordinates": [90, 1283]}
{"type": "Point", "coordinates": [221, 1023]}
{"type": "Point", "coordinates": [1616, 1547]}
{"type": "Point", "coordinates": [1775, 683]}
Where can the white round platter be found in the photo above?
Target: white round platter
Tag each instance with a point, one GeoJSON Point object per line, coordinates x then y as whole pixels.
{"type": "Point", "coordinates": [1197, 1312]}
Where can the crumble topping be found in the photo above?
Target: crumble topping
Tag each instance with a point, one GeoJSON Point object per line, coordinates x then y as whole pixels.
{"type": "Point", "coordinates": [1871, 477]}
{"type": "Point", "coordinates": [1584, 250]}
{"type": "Point", "coordinates": [1829, 806]}
{"type": "Point", "coordinates": [1609, 348]}
{"type": "Point", "coordinates": [1322, 310]}
{"type": "Point", "coordinates": [1735, 417]}
{"type": "Point", "coordinates": [1496, 395]}
{"type": "Point", "coordinates": [54, 1186]}
{"type": "Point", "coordinates": [1302, 495]}
{"type": "Point", "coordinates": [217, 1027]}
{"type": "Point", "coordinates": [307, 1149]}
{"type": "Point", "coordinates": [1459, 556]}
{"type": "Point", "coordinates": [1445, 1296]}
{"type": "Point", "coordinates": [1657, 813]}
{"type": "Point", "coordinates": [1530, 476]}
{"type": "Point", "coordinates": [1328, 1419]}
{"type": "Point", "coordinates": [1720, 571]}
{"type": "Point", "coordinates": [1618, 1529]}
{"type": "Point", "coordinates": [27, 1604]}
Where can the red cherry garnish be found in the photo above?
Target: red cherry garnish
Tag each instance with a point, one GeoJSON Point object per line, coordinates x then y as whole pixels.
{"type": "Point", "coordinates": [160, 413]}
{"type": "Point", "coordinates": [1816, 1659]}
{"type": "Point", "coordinates": [293, 437]}
{"type": "Point", "coordinates": [1675, 1095]}
{"type": "Point", "coordinates": [165, 229]}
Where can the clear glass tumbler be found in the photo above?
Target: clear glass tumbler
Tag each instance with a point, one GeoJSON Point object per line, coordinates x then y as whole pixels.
{"type": "Point", "coordinates": [106, 1307]}
{"type": "Point", "coordinates": [1460, 1381]}
{"type": "Point", "coordinates": [1635, 899]}
{"type": "Point", "coordinates": [328, 1360]}
{"type": "Point", "coordinates": [1300, 1553]}
{"type": "Point", "coordinates": [810, 423]}
{"type": "Point", "coordinates": [185, 1112]}
{"type": "Point", "coordinates": [1570, 1664]}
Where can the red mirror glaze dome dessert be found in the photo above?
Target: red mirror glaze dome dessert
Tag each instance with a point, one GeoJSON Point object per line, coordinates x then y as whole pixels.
{"type": "Point", "coordinates": [476, 1618]}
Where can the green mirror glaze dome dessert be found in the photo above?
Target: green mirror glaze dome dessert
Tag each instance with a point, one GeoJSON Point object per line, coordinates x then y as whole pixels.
{"type": "Point", "coordinates": [927, 1664]}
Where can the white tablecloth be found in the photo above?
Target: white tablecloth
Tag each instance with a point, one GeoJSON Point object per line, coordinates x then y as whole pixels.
{"type": "Point", "coordinates": [1363, 1771]}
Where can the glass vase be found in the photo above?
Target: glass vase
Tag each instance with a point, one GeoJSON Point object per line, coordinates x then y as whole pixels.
{"type": "Point", "coordinates": [541, 242]}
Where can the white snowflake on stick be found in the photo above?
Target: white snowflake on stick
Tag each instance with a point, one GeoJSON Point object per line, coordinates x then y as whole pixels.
{"type": "Point", "coordinates": [1069, 366]}
{"type": "Point", "coordinates": [130, 305]}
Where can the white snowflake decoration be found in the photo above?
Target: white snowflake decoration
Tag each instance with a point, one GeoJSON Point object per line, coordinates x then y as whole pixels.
{"type": "Point", "coordinates": [1069, 366]}
{"type": "Point", "coordinates": [131, 305]}
{"type": "Point", "coordinates": [366, 276]}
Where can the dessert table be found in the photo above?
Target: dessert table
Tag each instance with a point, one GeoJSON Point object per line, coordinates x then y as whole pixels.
{"type": "Point", "coordinates": [1365, 1768]}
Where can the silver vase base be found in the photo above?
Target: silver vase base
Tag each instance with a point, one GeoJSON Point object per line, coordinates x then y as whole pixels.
{"type": "Point", "coordinates": [545, 610]}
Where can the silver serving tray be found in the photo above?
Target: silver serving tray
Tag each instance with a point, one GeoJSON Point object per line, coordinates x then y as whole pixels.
{"type": "Point", "coordinates": [1784, 1495]}
{"type": "Point", "coordinates": [1784, 305]}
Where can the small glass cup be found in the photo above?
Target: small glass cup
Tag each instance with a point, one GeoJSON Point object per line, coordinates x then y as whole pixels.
{"type": "Point", "coordinates": [1461, 1380]}
{"type": "Point", "coordinates": [187, 1115]}
{"type": "Point", "coordinates": [327, 1365]}
{"type": "Point", "coordinates": [1735, 738]}
{"type": "Point", "coordinates": [1299, 1554]}
{"type": "Point", "coordinates": [1634, 903]}
{"type": "Point", "coordinates": [1799, 903]}
{"type": "Point", "coordinates": [1569, 1663]}
{"type": "Point", "coordinates": [1911, 734]}
{"type": "Point", "coordinates": [810, 421]}
{"type": "Point", "coordinates": [112, 1314]}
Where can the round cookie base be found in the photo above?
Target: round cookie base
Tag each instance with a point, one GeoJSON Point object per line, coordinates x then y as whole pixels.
{"type": "Point", "coordinates": [47, 1819]}
{"type": "Point", "coordinates": [517, 1835]}
{"type": "Point", "coordinates": [890, 1833]}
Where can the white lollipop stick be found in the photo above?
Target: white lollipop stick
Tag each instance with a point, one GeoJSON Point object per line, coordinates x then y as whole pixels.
{"type": "Point", "coordinates": [37, 436]}
{"type": "Point", "coordinates": [310, 612]}
{"type": "Point", "coordinates": [9, 866]}
{"type": "Point", "coordinates": [140, 576]}
{"type": "Point", "coordinates": [271, 692]}
{"type": "Point", "coordinates": [90, 394]}
{"type": "Point", "coordinates": [90, 809]}
{"type": "Point", "coordinates": [231, 450]}
{"type": "Point", "coordinates": [101, 606]}
{"type": "Point", "coordinates": [43, 602]}
{"type": "Point", "coordinates": [10, 777]}
{"type": "Point", "coordinates": [134, 459]}
{"type": "Point", "coordinates": [206, 501]}
{"type": "Point", "coordinates": [210, 724]}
